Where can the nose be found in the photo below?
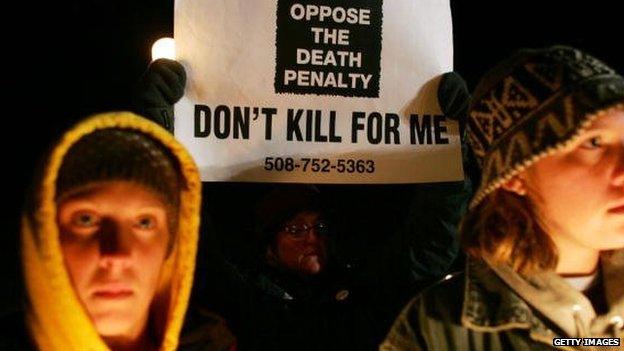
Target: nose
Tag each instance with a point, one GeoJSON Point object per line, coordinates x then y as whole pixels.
{"type": "Point", "coordinates": [115, 242]}
{"type": "Point", "coordinates": [312, 236]}
{"type": "Point", "coordinates": [618, 172]}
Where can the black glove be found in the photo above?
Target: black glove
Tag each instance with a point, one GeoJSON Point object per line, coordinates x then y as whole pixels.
{"type": "Point", "coordinates": [160, 86]}
{"type": "Point", "coordinates": [454, 99]}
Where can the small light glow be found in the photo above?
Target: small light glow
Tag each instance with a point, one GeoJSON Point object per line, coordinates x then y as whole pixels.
{"type": "Point", "coordinates": [448, 276]}
{"type": "Point", "coordinates": [163, 48]}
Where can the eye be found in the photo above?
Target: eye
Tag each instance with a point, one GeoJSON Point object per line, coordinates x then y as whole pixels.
{"type": "Point", "coordinates": [321, 227]}
{"type": "Point", "coordinates": [593, 143]}
{"type": "Point", "coordinates": [85, 220]}
{"type": "Point", "coordinates": [146, 222]}
{"type": "Point", "coordinates": [296, 230]}
{"type": "Point", "coordinates": [292, 229]}
{"type": "Point", "coordinates": [82, 224]}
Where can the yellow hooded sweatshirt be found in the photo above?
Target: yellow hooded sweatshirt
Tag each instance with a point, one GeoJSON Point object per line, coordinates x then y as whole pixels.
{"type": "Point", "coordinates": [55, 318]}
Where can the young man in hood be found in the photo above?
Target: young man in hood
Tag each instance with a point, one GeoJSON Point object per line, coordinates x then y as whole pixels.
{"type": "Point", "coordinates": [109, 240]}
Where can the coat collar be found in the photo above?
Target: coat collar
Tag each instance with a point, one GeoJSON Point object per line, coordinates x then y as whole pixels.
{"type": "Point", "coordinates": [497, 299]}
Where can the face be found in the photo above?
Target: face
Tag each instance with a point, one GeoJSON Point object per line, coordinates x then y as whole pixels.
{"type": "Point", "coordinates": [301, 245]}
{"type": "Point", "coordinates": [579, 191]}
{"type": "Point", "coordinates": [114, 238]}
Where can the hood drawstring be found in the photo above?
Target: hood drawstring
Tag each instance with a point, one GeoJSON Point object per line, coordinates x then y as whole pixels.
{"type": "Point", "coordinates": [582, 330]}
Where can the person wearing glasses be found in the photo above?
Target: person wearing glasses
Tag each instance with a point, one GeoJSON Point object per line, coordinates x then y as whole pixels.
{"type": "Point", "coordinates": [292, 230]}
{"type": "Point", "coordinates": [306, 290]}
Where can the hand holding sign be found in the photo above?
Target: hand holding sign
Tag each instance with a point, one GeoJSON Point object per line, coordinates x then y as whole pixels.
{"type": "Point", "coordinates": [454, 98]}
{"type": "Point", "coordinates": [158, 89]}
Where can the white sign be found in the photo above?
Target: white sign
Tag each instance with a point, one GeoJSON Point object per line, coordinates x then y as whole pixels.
{"type": "Point", "coordinates": [316, 91]}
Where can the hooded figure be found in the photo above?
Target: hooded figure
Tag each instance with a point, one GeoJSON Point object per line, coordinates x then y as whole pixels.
{"type": "Point", "coordinates": [109, 238]}
{"type": "Point", "coordinates": [545, 229]}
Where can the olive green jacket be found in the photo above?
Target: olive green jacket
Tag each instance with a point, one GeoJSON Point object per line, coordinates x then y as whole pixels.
{"type": "Point", "coordinates": [493, 308]}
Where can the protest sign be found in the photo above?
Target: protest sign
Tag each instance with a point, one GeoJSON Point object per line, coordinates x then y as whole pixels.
{"type": "Point", "coordinates": [316, 91]}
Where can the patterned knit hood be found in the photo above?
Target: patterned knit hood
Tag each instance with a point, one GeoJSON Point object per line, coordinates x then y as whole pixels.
{"type": "Point", "coordinates": [56, 318]}
{"type": "Point", "coordinates": [533, 104]}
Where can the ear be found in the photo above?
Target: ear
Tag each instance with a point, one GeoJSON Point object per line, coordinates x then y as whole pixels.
{"type": "Point", "coordinates": [516, 185]}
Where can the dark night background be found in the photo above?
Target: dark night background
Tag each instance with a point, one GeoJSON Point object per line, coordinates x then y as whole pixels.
{"type": "Point", "coordinates": [65, 60]}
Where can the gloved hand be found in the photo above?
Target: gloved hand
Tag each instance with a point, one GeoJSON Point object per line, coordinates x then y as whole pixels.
{"type": "Point", "coordinates": [454, 99]}
{"type": "Point", "coordinates": [158, 89]}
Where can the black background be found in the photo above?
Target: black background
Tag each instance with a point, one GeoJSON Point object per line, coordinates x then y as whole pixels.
{"type": "Point", "coordinates": [65, 60]}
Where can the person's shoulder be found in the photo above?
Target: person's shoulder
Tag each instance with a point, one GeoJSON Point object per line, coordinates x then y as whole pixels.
{"type": "Point", "coordinates": [435, 309]}
{"type": "Point", "coordinates": [13, 332]}
{"type": "Point", "coordinates": [444, 299]}
{"type": "Point", "coordinates": [207, 332]}
{"type": "Point", "coordinates": [439, 303]}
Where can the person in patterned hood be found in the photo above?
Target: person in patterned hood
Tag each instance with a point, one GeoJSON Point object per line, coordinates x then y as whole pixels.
{"type": "Point", "coordinates": [545, 230]}
{"type": "Point", "coordinates": [109, 239]}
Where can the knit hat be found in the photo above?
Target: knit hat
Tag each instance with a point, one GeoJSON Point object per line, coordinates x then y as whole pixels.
{"type": "Point", "coordinates": [117, 154]}
{"type": "Point", "coordinates": [280, 205]}
{"type": "Point", "coordinates": [533, 104]}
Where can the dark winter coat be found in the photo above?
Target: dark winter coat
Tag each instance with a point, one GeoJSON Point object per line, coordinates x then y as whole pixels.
{"type": "Point", "coordinates": [493, 308]}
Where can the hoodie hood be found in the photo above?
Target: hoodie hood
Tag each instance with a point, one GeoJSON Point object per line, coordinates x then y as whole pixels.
{"type": "Point", "coordinates": [55, 317]}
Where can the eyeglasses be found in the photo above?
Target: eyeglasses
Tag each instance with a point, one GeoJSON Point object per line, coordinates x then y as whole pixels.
{"type": "Point", "coordinates": [299, 231]}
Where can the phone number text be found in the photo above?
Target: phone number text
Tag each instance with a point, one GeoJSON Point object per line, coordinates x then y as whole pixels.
{"type": "Point", "coordinates": [320, 165]}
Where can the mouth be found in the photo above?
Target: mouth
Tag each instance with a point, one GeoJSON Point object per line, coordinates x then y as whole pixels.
{"type": "Point", "coordinates": [113, 292]}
